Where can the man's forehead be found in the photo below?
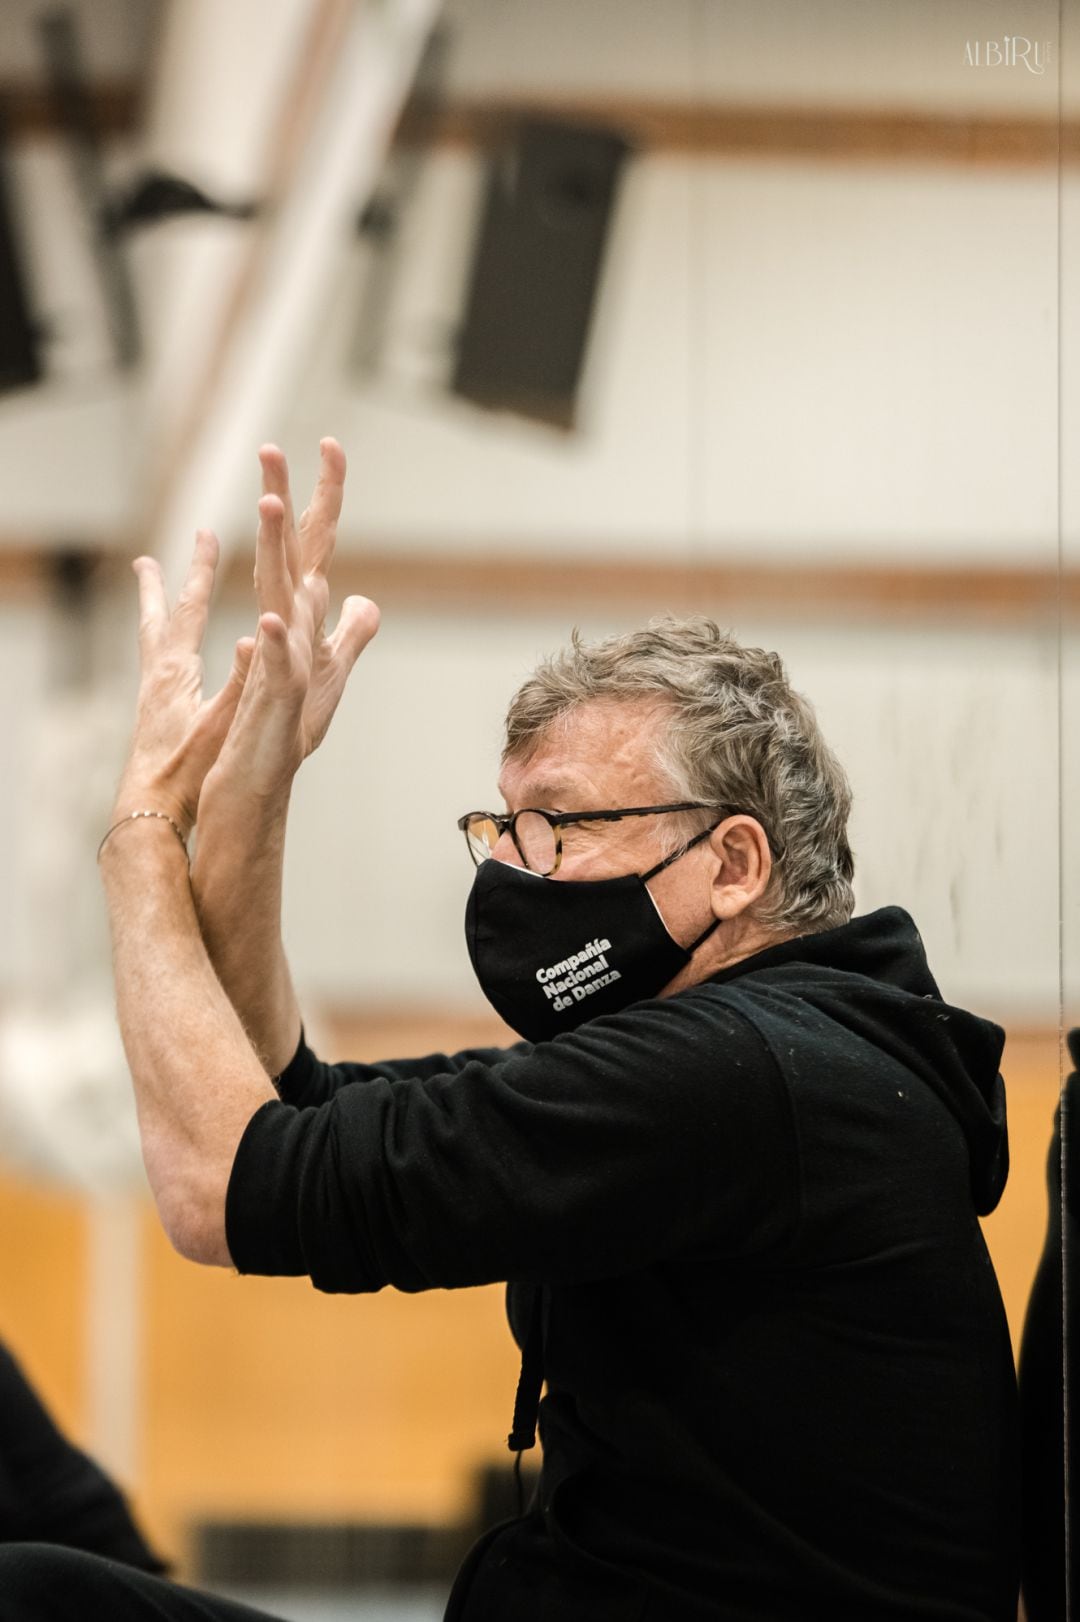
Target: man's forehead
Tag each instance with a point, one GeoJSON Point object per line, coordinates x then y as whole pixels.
{"type": "Point", "coordinates": [551, 793]}
{"type": "Point", "coordinates": [594, 752]}
{"type": "Point", "coordinates": [546, 778]}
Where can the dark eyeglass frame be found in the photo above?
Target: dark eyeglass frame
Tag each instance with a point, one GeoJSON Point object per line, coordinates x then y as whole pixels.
{"type": "Point", "coordinates": [557, 820]}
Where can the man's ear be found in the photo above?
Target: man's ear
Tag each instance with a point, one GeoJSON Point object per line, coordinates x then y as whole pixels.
{"type": "Point", "coordinates": [744, 865]}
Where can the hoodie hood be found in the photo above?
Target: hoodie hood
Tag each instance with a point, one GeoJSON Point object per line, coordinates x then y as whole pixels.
{"type": "Point", "coordinates": [871, 977]}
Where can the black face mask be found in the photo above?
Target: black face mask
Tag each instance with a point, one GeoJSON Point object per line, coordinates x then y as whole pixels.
{"type": "Point", "coordinates": [552, 953]}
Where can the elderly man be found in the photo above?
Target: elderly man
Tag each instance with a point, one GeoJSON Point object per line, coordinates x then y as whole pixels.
{"type": "Point", "coordinates": [732, 1173]}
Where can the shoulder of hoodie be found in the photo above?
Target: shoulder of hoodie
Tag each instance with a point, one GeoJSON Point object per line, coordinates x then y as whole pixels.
{"type": "Point", "coordinates": [786, 1006]}
{"type": "Point", "coordinates": [744, 1015]}
{"type": "Point", "coordinates": [797, 1012]}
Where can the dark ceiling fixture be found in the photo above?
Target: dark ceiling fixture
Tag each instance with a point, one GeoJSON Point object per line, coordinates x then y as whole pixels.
{"type": "Point", "coordinates": [155, 196]}
{"type": "Point", "coordinates": [536, 268]}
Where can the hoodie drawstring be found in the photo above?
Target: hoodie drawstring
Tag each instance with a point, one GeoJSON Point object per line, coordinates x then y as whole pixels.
{"type": "Point", "coordinates": [530, 1381]}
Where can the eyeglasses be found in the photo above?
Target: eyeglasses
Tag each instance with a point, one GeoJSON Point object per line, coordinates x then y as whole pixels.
{"type": "Point", "coordinates": [537, 834]}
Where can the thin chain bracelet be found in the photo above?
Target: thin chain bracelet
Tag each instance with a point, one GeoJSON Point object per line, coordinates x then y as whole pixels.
{"type": "Point", "coordinates": [133, 816]}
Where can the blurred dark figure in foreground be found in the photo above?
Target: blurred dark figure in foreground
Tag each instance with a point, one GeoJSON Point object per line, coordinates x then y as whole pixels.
{"type": "Point", "coordinates": [1046, 1353]}
{"type": "Point", "coordinates": [50, 1491]}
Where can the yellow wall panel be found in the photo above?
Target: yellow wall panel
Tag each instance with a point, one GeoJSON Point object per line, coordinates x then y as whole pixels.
{"type": "Point", "coordinates": [1016, 1230]}
{"type": "Point", "coordinates": [42, 1291]}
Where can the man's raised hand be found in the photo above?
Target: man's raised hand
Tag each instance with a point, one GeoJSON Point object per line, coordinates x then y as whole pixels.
{"type": "Point", "coordinates": [177, 733]}
{"type": "Point", "coordinates": [298, 673]}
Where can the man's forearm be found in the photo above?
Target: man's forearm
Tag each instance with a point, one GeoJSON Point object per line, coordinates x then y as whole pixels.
{"type": "Point", "coordinates": [197, 1081]}
{"type": "Point", "coordinates": [237, 884]}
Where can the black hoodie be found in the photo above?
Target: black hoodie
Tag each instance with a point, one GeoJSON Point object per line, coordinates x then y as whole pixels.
{"type": "Point", "coordinates": [50, 1491]}
{"type": "Point", "coordinates": [741, 1224]}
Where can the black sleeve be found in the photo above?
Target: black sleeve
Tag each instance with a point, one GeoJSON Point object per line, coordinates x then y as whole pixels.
{"type": "Point", "coordinates": [307, 1080]}
{"type": "Point", "coordinates": [636, 1136]}
{"type": "Point", "coordinates": [50, 1492]}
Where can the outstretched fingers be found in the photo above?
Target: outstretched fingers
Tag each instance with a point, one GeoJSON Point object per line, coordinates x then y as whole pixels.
{"type": "Point", "coordinates": [318, 525]}
{"type": "Point", "coordinates": [276, 650]}
{"type": "Point", "coordinates": [242, 656]}
{"type": "Point", "coordinates": [153, 607]}
{"type": "Point", "coordinates": [186, 626]}
{"type": "Point", "coordinates": [193, 604]}
{"type": "Point", "coordinates": [218, 712]}
{"type": "Point", "coordinates": [273, 582]}
{"type": "Point", "coordinates": [275, 482]}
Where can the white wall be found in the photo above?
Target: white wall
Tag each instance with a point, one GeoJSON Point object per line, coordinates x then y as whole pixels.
{"type": "Point", "coordinates": [862, 363]}
{"type": "Point", "coordinates": [850, 53]}
{"type": "Point", "coordinates": [792, 361]}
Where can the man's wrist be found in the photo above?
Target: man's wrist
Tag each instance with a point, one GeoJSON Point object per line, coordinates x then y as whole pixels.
{"type": "Point", "coordinates": [238, 858]}
{"type": "Point", "coordinates": [142, 815]}
{"type": "Point", "coordinates": [228, 797]}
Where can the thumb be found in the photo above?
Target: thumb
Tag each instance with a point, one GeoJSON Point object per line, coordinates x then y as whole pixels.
{"type": "Point", "coordinates": [216, 717]}
{"type": "Point", "coordinates": [242, 656]}
{"type": "Point", "coordinates": [274, 637]}
{"type": "Point", "coordinates": [219, 710]}
{"type": "Point", "coordinates": [357, 625]}
{"type": "Point", "coordinates": [285, 677]}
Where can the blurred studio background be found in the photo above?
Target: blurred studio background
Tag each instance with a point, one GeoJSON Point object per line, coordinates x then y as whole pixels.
{"type": "Point", "coordinates": [758, 308]}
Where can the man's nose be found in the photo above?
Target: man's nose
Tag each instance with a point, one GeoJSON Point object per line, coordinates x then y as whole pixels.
{"type": "Point", "coordinates": [506, 851]}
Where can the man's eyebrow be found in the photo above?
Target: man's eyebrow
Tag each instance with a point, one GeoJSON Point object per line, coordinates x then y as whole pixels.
{"type": "Point", "coordinates": [549, 795]}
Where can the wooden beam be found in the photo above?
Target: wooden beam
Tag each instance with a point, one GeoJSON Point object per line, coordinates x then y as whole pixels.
{"type": "Point", "coordinates": [836, 134]}
{"type": "Point", "coordinates": [570, 582]}
{"type": "Point", "coordinates": [29, 109]}
{"type": "Point", "coordinates": [870, 134]}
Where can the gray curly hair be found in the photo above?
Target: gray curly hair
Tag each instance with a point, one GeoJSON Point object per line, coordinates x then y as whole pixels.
{"type": "Point", "coordinates": [736, 734]}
